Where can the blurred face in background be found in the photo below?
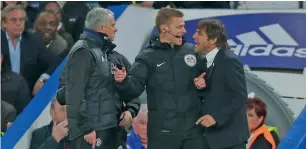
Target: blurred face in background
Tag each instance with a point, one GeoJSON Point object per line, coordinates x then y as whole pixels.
{"type": "Point", "coordinates": [253, 120]}
{"type": "Point", "coordinates": [11, 2]}
{"type": "Point", "coordinates": [58, 113]}
{"type": "Point", "coordinates": [47, 24]}
{"type": "Point", "coordinates": [140, 126]}
{"type": "Point", "coordinates": [110, 29]}
{"type": "Point", "coordinates": [55, 9]}
{"type": "Point", "coordinates": [14, 22]}
{"type": "Point", "coordinates": [256, 113]}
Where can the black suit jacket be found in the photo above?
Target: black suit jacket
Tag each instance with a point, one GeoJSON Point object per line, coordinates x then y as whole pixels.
{"type": "Point", "coordinates": [42, 139]}
{"type": "Point", "coordinates": [34, 58]}
{"type": "Point", "coordinates": [225, 99]}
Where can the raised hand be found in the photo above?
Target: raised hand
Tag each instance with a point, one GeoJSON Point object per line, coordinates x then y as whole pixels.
{"type": "Point", "coordinates": [199, 81]}
{"type": "Point", "coordinates": [120, 75]}
{"type": "Point", "coordinates": [59, 130]}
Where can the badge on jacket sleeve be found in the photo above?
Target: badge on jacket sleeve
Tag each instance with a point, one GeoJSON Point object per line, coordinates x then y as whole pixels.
{"type": "Point", "coordinates": [190, 60]}
{"type": "Point", "coordinates": [99, 142]}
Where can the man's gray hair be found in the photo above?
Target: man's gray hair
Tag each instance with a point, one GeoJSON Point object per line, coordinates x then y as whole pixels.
{"type": "Point", "coordinates": [7, 9]}
{"type": "Point", "coordinates": [97, 16]}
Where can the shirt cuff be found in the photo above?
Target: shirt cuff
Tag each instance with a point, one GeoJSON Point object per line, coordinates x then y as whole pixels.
{"type": "Point", "coordinates": [45, 75]}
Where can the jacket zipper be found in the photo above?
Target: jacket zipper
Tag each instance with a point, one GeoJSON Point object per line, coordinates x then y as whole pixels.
{"type": "Point", "coordinates": [172, 57]}
{"type": "Point", "coordinates": [99, 109]}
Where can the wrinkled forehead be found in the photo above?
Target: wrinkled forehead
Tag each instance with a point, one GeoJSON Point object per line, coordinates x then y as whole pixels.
{"type": "Point", "coordinates": [177, 21]}
{"type": "Point", "coordinates": [16, 13]}
{"type": "Point", "coordinates": [52, 5]}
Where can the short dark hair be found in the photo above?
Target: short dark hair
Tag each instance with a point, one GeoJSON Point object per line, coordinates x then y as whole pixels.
{"type": "Point", "coordinates": [60, 96]}
{"type": "Point", "coordinates": [214, 29]}
{"type": "Point", "coordinates": [44, 13]}
{"type": "Point", "coordinates": [44, 4]}
{"type": "Point", "coordinates": [259, 107]}
{"type": "Point", "coordinates": [165, 14]}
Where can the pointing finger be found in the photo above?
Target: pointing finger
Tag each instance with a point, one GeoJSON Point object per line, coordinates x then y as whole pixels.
{"type": "Point", "coordinates": [199, 120]}
{"type": "Point", "coordinates": [202, 75]}
{"type": "Point", "coordinates": [123, 69]}
{"type": "Point", "coordinates": [116, 69]}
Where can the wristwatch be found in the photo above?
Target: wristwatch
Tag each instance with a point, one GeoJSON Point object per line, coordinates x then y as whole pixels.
{"type": "Point", "coordinates": [43, 80]}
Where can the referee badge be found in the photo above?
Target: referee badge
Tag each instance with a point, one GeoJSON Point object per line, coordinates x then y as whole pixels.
{"type": "Point", "coordinates": [190, 60]}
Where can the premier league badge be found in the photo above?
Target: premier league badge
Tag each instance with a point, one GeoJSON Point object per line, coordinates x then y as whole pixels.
{"type": "Point", "coordinates": [190, 60]}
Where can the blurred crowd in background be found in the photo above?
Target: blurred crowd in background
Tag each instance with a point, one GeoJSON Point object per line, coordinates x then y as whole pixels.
{"type": "Point", "coordinates": [48, 29]}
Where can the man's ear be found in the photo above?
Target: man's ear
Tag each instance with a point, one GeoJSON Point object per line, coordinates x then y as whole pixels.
{"type": "Point", "coordinates": [261, 119]}
{"type": "Point", "coordinates": [163, 28]}
{"type": "Point", "coordinates": [52, 113]}
{"type": "Point", "coordinates": [100, 28]}
{"type": "Point", "coordinates": [212, 41]}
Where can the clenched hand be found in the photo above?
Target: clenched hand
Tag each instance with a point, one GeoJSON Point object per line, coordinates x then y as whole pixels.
{"type": "Point", "coordinates": [120, 75]}
{"type": "Point", "coordinates": [126, 118]}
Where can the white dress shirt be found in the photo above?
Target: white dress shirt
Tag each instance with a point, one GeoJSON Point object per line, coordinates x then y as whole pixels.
{"type": "Point", "coordinates": [210, 56]}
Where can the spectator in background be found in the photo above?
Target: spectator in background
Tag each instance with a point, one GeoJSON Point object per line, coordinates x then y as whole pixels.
{"type": "Point", "coordinates": [52, 136]}
{"type": "Point", "coordinates": [25, 53]}
{"type": "Point", "coordinates": [31, 12]}
{"type": "Point", "coordinates": [54, 7]}
{"type": "Point", "coordinates": [147, 4]}
{"type": "Point", "coordinates": [8, 3]}
{"type": "Point", "coordinates": [14, 88]}
{"type": "Point", "coordinates": [74, 14]}
{"type": "Point", "coordinates": [138, 138]}
{"type": "Point", "coordinates": [200, 4]}
{"type": "Point", "coordinates": [261, 137]}
{"type": "Point", "coordinates": [47, 23]}
{"type": "Point", "coordinates": [8, 115]}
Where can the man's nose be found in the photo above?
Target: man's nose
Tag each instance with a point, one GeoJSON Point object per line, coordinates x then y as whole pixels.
{"type": "Point", "coordinates": [48, 26]}
{"type": "Point", "coordinates": [19, 21]}
{"type": "Point", "coordinates": [184, 30]}
{"type": "Point", "coordinates": [194, 36]}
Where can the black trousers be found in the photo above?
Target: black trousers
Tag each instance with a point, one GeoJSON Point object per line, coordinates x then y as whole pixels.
{"type": "Point", "coordinates": [176, 142]}
{"type": "Point", "coordinates": [106, 139]}
{"type": "Point", "coordinates": [238, 146]}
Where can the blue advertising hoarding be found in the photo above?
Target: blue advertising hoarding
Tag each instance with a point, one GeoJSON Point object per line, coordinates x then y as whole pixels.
{"type": "Point", "coordinates": [264, 40]}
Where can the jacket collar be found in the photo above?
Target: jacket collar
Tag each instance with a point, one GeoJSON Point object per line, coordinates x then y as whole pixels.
{"type": "Point", "coordinates": [100, 38]}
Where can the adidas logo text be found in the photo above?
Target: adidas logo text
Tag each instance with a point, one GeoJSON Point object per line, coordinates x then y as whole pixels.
{"type": "Point", "coordinates": [253, 44]}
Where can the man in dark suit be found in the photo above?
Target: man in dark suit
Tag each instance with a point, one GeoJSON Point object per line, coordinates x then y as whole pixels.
{"type": "Point", "coordinates": [25, 53]}
{"type": "Point", "coordinates": [225, 97]}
